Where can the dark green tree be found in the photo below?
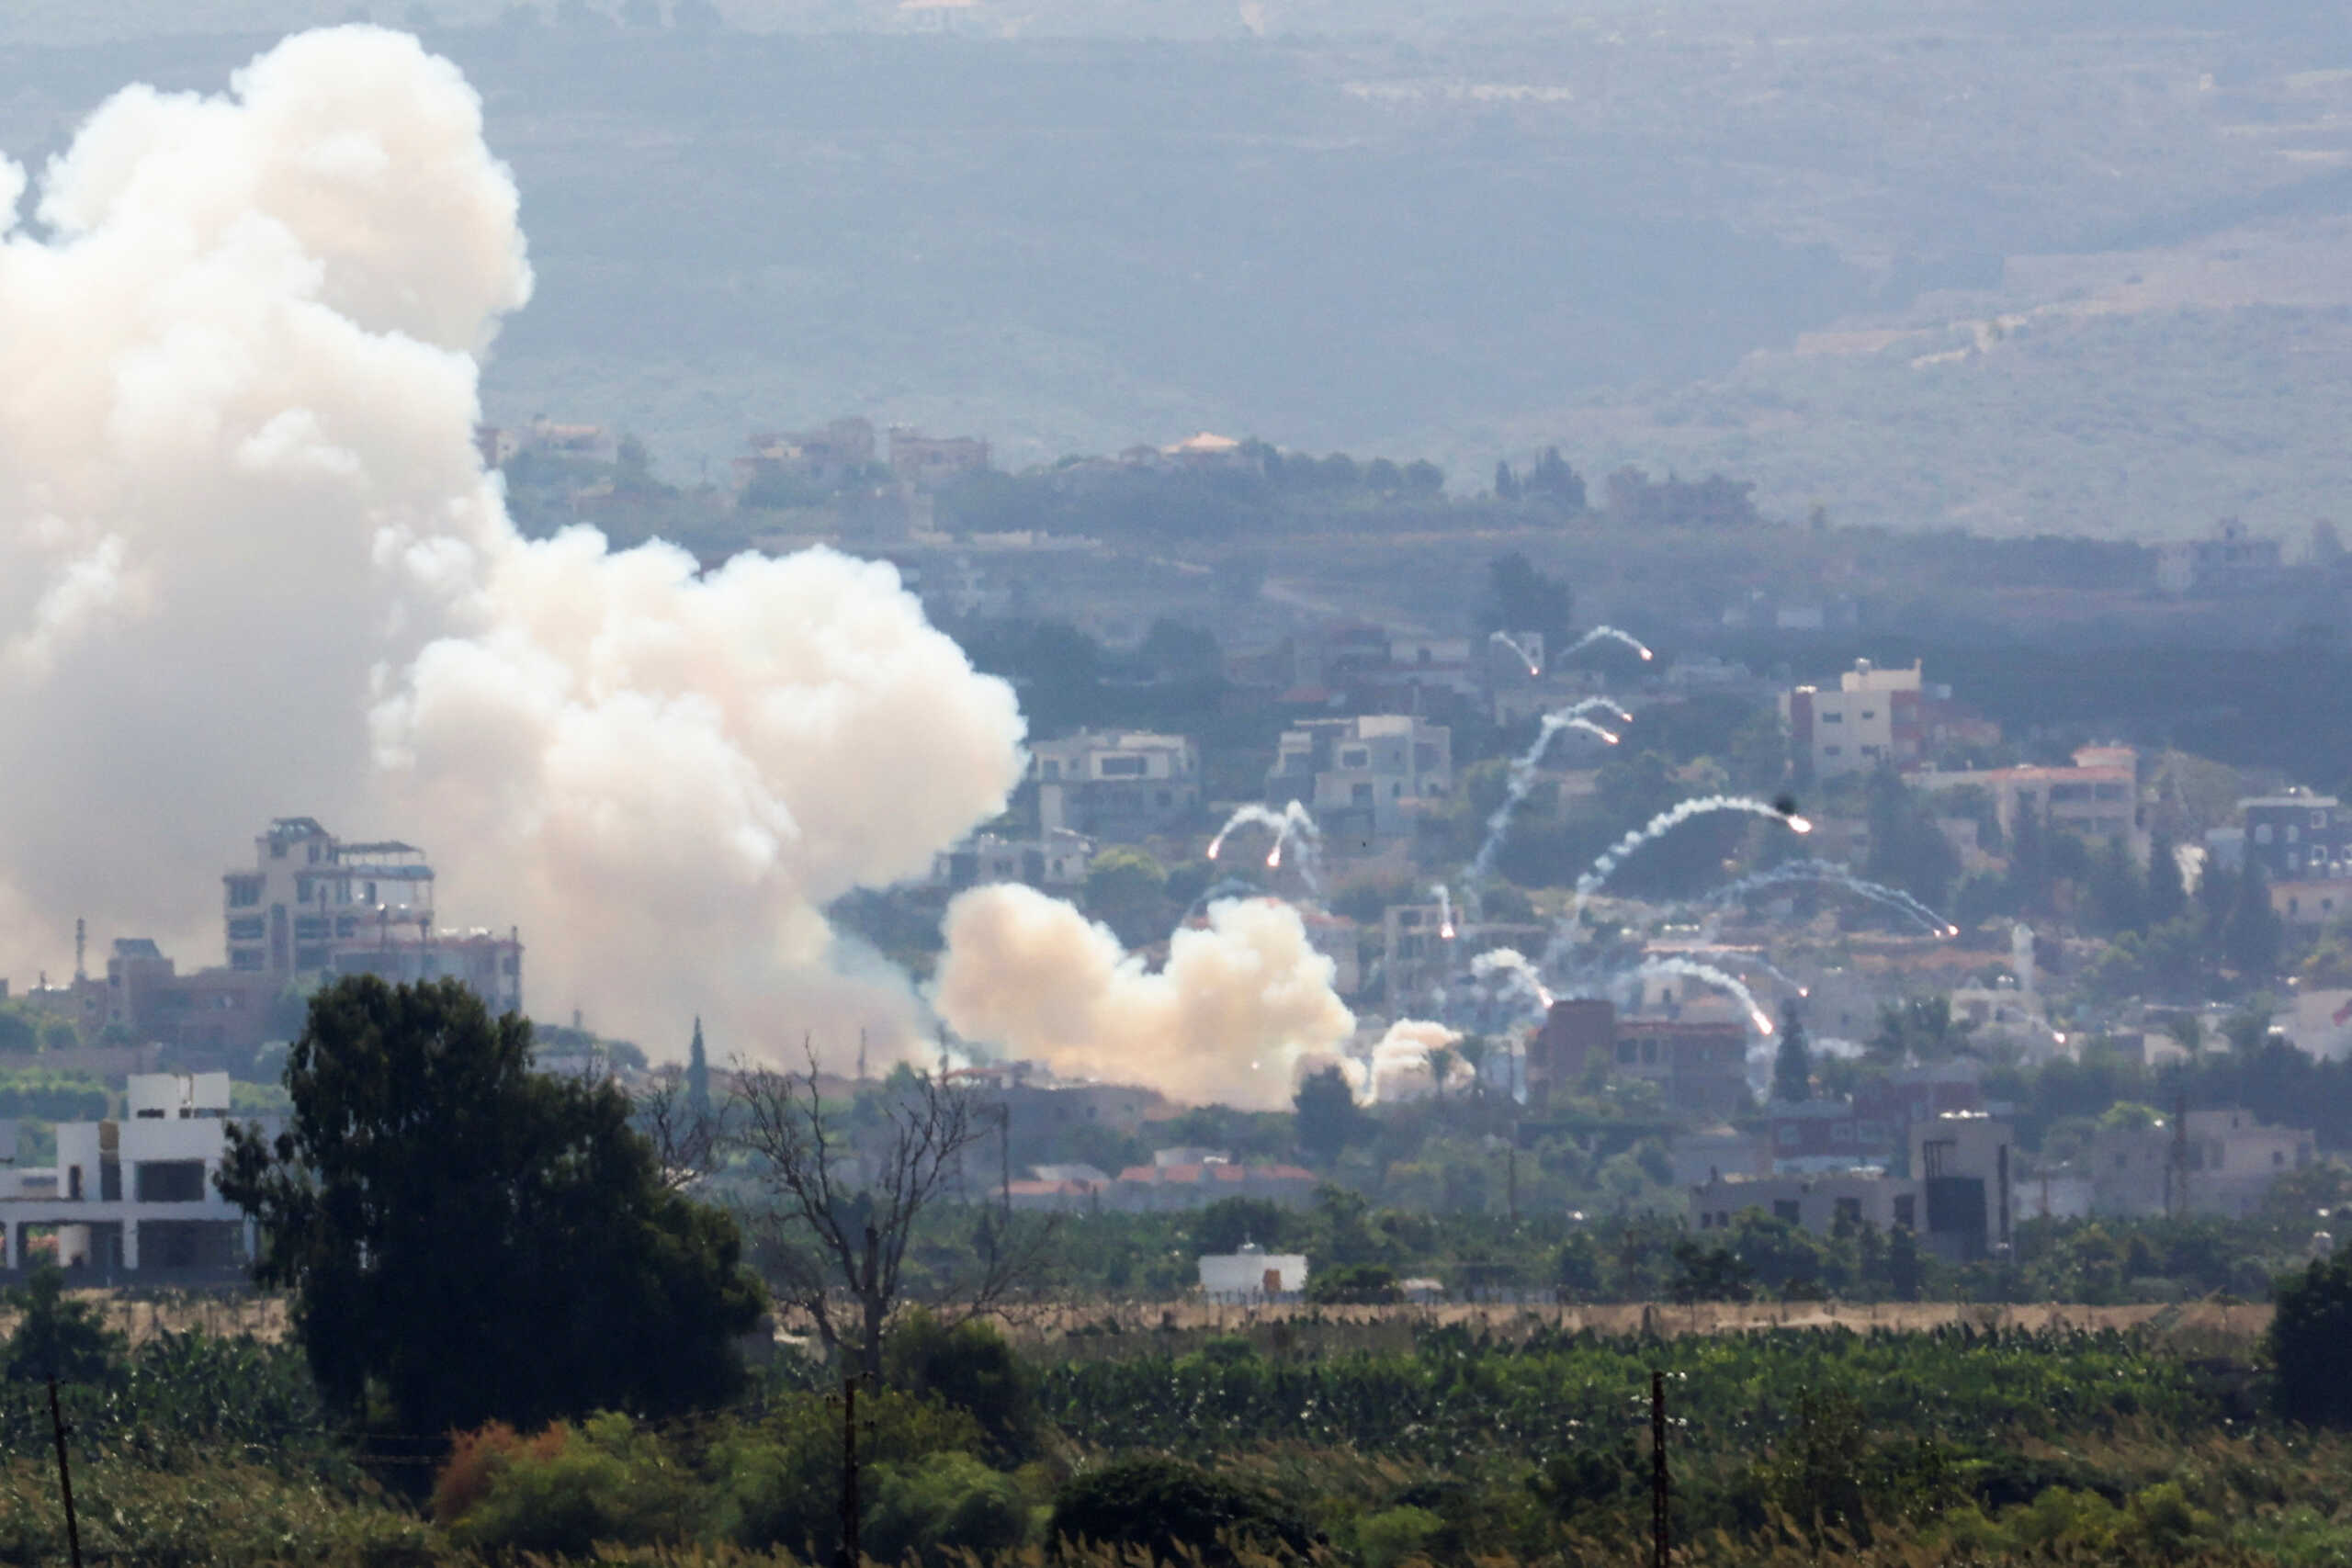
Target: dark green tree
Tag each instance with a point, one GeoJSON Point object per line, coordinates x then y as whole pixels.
{"type": "Point", "coordinates": [1522, 599]}
{"type": "Point", "coordinates": [1126, 889]}
{"type": "Point", "coordinates": [1793, 1063]}
{"type": "Point", "coordinates": [1907, 850]}
{"type": "Point", "coordinates": [58, 1337]}
{"type": "Point", "coordinates": [1328, 1117]}
{"type": "Point", "coordinates": [469, 1240]}
{"type": "Point", "coordinates": [2253, 935]}
{"type": "Point", "coordinates": [1552, 480]}
{"type": "Point", "coordinates": [697, 1075]}
{"type": "Point", "coordinates": [1709, 1274]}
{"type": "Point", "coordinates": [1506, 482]}
{"type": "Point", "coordinates": [2118, 889]}
{"type": "Point", "coordinates": [2311, 1343]}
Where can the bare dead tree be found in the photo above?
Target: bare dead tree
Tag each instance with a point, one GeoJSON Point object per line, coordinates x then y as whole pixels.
{"type": "Point", "coordinates": [844, 1204]}
{"type": "Point", "coordinates": [685, 1138]}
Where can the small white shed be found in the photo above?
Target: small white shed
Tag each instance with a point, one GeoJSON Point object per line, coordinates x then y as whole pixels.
{"type": "Point", "coordinates": [1252, 1274]}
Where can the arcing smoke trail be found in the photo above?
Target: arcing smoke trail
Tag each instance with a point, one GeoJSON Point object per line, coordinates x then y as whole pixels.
{"type": "Point", "coordinates": [1611, 634]}
{"type": "Point", "coordinates": [1515, 970]}
{"type": "Point", "coordinates": [1516, 647]}
{"type": "Point", "coordinates": [1522, 777]}
{"type": "Point", "coordinates": [1829, 873]}
{"type": "Point", "coordinates": [251, 550]}
{"type": "Point", "coordinates": [1292, 822]}
{"type": "Point", "coordinates": [1709, 975]}
{"type": "Point", "coordinates": [1666, 822]}
{"type": "Point", "coordinates": [1231, 1017]}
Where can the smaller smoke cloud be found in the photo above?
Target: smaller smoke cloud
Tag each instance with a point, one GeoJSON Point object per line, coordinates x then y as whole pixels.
{"type": "Point", "coordinates": [1238, 1008]}
{"type": "Point", "coordinates": [1401, 1067]}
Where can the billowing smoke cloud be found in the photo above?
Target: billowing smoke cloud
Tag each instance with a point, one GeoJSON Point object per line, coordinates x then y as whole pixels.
{"type": "Point", "coordinates": [1402, 1068]}
{"type": "Point", "coordinates": [1231, 1016]}
{"type": "Point", "coordinates": [250, 566]}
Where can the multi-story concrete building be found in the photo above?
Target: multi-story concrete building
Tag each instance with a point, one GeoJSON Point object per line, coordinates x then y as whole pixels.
{"type": "Point", "coordinates": [1117, 787]}
{"type": "Point", "coordinates": [2098, 798]}
{"type": "Point", "coordinates": [2296, 836]}
{"type": "Point", "coordinates": [1958, 1199]}
{"type": "Point", "coordinates": [1874, 717]}
{"type": "Point", "coordinates": [1697, 1058]}
{"type": "Point", "coordinates": [1053, 859]}
{"type": "Point", "coordinates": [136, 1196]}
{"type": "Point", "coordinates": [927, 462]}
{"type": "Point", "coordinates": [1364, 778]}
{"type": "Point", "coordinates": [2212, 1162]}
{"type": "Point", "coordinates": [2230, 560]}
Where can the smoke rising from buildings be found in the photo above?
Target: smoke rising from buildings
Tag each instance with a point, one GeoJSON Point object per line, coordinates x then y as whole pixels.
{"type": "Point", "coordinates": [249, 565]}
{"type": "Point", "coordinates": [1231, 1016]}
{"type": "Point", "coordinates": [1402, 1065]}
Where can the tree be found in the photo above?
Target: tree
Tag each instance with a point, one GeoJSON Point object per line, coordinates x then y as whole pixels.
{"type": "Point", "coordinates": [1328, 1117]}
{"type": "Point", "coordinates": [1908, 848]}
{"type": "Point", "coordinates": [1522, 599]}
{"type": "Point", "coordinates": [2310, 1342]}
{"type": "Point", "coordinates": [1793, 1064]}
{"type": "Point", "coordinates": [1552, 480]}
{"type": "Point", "coordinates": [2251, 935]}
{"type": "Point", "coordinates": [1921, 1028]}
{"type": "Point", "coordinates": [846, 1203]}
{"type": "Point", "coordinates": [1126, 889]}
{"type": "Point", "coordinates": [468, 1240]}
{"type": "Point", "coordinates": [697, 1075]}
{"type": "Point", "coordinates": [1506, 482]}
{"type": "Point", "coordinates": [58, 1337]}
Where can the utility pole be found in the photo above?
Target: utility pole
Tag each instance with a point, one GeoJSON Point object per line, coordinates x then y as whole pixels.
{"type": "Point", "coordinates": [1660, 1548]}
{"type": "Point", "coordinates": [2177, 1168]}
{"type": "Point", "coordinates": [1511, 1178]}
{"type": "Point", "coordinates": [65, 1475]}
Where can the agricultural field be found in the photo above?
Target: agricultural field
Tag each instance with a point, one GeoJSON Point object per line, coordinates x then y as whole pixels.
{"type": "Point", "coordinates": [1370, 1437]}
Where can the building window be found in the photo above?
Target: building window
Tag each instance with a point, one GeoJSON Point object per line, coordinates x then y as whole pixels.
{"type": "Point", "coordinates": [1829, 751]}
{"type": "Point", "coordinates": [1120, 767]}
{"type": "Point", "coordinates": [1785, 1208]}
{"type": "Point", "coordinates": [245, 958]}
{"type": "Point", "coordinates": [2294, 834]}
{"type": "Point", "coordinates": [246, 928]}
{"type": "Point", "coordinates": [1833, 716]}
{"type": "Point", "coordinates": [244, 892]}
{"type": "Point", "coordinates": [1360, 795]}
{"type": "Point", "coordinates": [2262, 833]}
{"type": "Point", "coordinates": [1053, 767]}
{"type": "Point", "coordinates": [1869, 714]}
{"type": "Point", "coordinates": [1355, 757]}
{"type": "Point", "coordinates": [168, 1182]}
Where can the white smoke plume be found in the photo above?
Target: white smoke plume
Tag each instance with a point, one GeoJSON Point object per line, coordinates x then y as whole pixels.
{"type": "Point", "coordinates": [1402, 1068]}
{"type": "Point", "coordinates": [250, 566]}
{"type": "Point", "coordinates": [1238, 1009]}
{"type": "Point", "coordinates": [1515, 971]}
{"type": "Point", "coordinates": [1518, 648]}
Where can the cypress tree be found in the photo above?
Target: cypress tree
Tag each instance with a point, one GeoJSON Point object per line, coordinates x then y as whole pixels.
{"type": "Point", "coordinates": [698, 1074]}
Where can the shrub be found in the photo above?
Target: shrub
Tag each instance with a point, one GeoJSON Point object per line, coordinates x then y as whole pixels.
{"type": "Point", "coordinates": [1171, 1508]}
{"type": "Point", "coordinates": [970, 1367]}
{"type": "Point", "coordinates": [1396, 1536]}
{"type": "Point", "coordinates": [564, 1492]}
{"type": "Point", "coordinates": [1355, 1284]}
{"type": "Point", "coordinates": [947, 1502]}
{"type": "Point", "coordinates": [2311, 1343]}
{"type": "Point", "coordinates": [58, 1336]}
{"type": "Point", "coordinates": [778, 1483]}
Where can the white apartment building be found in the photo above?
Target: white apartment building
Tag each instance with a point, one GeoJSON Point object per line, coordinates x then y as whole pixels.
{"type": "Point", "coordinates": [1369, 775]}
{"type": "Point", "coordinates": [1117, 787]}
{"type": "Point", "coordinates": [1874, 717]}
{"type": "Point", "coordinates": [1056, 859]}
{"type": "Point", "coordinates": [135, 1196]}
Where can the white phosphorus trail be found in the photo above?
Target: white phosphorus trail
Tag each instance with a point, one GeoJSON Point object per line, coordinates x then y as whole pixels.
{"type": "Point", "coordinates": [1667, 821]}
{"type": "Point", "coordinates": [1611, 634]}
{"type": "Point", "coordinates": [1444, 912]}
{"type": "Point", "coordinates": [1522, 777]}
{"type": "Point", "coordinates": [1520, 649]}
{"type": "Point", "coordinates": [1829, 873]}
{"type": "Point", "coordinates": [1708, 974]}
{"type": "Point", "coordinates": [1292, 822]}
{"type": "Point", "coordinates": [1515, 972]}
